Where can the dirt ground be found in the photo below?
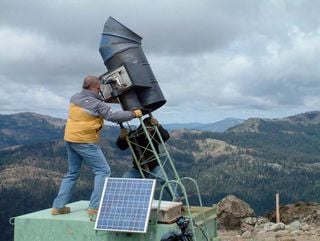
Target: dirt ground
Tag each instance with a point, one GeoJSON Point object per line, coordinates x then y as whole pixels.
{"type": "Point", "coordinates": [272, 236]}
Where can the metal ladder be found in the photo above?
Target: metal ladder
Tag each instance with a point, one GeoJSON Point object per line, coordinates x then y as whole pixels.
{"type": "Point", "coordinates": [169, 172]}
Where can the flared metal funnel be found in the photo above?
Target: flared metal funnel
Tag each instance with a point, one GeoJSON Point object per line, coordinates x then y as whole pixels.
{"type": "Point", "coordinates": [129, 78]}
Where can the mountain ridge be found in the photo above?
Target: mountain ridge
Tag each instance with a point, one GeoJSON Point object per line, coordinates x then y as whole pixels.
{"type": "Point", "coordinates": [280, 156]}
{"type": "Point", "coordinates": [219, 126]}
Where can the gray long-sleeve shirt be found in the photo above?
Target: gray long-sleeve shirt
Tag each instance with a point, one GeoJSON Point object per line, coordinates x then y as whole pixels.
{"type": "Point", "coordinates": [94, 105]}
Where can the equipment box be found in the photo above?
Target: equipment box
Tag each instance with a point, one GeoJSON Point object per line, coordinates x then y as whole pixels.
{"type": "Point", "coordinates": [168, 213]}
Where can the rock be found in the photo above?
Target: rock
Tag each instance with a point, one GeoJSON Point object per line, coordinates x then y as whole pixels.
{"type": "Point", "coordinates": [297, 232]}
{"type": "Point", "coordinates": [313, 217]}
{"type": "Point", "coordinates": [231, 210]}
{"type": "Point", "coordinates": [274, 227]}
{"type": "Point", "coordinates": [262, 220]}
{"type": "Point", "coordinates": [305, 227]}
{"type": "Point", "coordinates": [250, 220]}
{"type": "Point", "coordinates": [247, 234]}
{"type": "Point", "coordinates": [295, 225]}
{"type": "Point", "coordinates": [302, 211]}
{"type": "Point", "coordinates": [246, 227]}
{"type": "Point", "coordinates": [302, 219]}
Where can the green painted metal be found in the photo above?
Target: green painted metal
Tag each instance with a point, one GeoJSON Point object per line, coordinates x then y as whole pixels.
{"type": "Point", "coordinates": [201, 209]}
{"type": "Point", "coordinates": [162, 158]}
{"type": "Point", "coordinates": [42, 226]}
{"type": "Point", "coordinates": [166, 164]}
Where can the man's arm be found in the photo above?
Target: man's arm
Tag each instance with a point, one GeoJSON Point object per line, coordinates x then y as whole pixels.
{"type": "Point", "coordinates": [164, 133]}
{"type": "Point", "coordinates": [117, 116]}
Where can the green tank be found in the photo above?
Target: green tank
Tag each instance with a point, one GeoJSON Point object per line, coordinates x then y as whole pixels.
{"type": "Point", "coordinates": [42, 226]}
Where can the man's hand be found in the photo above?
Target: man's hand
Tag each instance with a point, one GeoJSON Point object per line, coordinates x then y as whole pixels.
{"type": "Point", "coordinates": [123, 133]}
{"type": "Point", "coordinates": [154, 121]}
{"type": "Point", "coordinates": [137, 113]}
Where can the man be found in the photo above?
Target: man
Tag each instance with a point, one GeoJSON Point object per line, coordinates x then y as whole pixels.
{"type": "Point", "coordinates": [143, 151]}
{"type": "Point", "coordinates": [87, 111]}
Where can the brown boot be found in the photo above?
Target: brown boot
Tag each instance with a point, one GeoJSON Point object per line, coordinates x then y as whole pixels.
{"type": "Point", "coordinates": [58, 211]}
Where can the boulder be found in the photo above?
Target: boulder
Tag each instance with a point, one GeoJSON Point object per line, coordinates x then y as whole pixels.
{"type": "Point", "coordinates": [231, 211]}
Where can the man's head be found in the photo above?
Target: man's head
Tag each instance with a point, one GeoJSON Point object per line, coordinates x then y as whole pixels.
{"type": "Point", "coordinates": [91, 83]}
{"type": "Point", "coordinates": [150, 122]}
{"type": "Point", "coordinates": [147, 123]}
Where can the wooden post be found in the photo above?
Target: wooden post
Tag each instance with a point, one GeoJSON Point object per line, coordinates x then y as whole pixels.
{"type": "Point", "coordinates": [277, 209]}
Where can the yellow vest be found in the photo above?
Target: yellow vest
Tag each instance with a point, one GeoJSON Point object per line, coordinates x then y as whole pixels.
{"type": "Point", "coordinates": [82, 127]}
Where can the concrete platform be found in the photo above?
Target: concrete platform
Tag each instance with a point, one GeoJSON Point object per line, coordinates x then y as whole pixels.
{"type": "Point", "coordinates": [42, 226]}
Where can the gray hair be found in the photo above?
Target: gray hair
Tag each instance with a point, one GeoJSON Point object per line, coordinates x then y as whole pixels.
{"type": "Point", "coordinates": [89, 81]}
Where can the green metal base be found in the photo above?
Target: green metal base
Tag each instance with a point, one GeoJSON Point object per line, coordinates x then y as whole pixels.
{"type": "Point", "coordinates": [42, 226]}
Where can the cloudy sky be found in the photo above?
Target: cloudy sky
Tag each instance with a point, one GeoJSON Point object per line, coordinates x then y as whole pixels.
{"type": "Point", "coordinates": [213, 59]}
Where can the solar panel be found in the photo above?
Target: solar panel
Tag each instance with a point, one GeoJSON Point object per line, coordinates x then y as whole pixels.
{"type": "Point", "coordinates": [125, 205]}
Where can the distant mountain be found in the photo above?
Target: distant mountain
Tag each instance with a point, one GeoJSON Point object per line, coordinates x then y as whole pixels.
{"type": "Point", "coordinates": [308, 118]}
{"type": "Point", "coordinates": [255, 124]}
{"type": "Point", "coordinates": [27, 128]}
{"type": "Point", "coordinates": [252, 160]}
{"type": "Point", "coordinates": [219, 126]}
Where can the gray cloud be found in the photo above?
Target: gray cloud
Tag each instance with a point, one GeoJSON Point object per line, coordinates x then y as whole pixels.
{"type": "Point", "coordinates": [212, 59]}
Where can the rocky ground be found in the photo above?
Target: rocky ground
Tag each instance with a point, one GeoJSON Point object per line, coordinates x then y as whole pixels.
{"type": "Point", "coordinates": [237, 222]}
{"type": "Point", "coordinates": [261, 235]}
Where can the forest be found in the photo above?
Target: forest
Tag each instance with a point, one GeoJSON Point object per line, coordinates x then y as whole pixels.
{"type": "Point", "coordinates": [252, 163]}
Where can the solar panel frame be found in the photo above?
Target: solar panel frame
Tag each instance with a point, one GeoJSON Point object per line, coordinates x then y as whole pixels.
{"type": "Point", "coordinates": [125, 205]}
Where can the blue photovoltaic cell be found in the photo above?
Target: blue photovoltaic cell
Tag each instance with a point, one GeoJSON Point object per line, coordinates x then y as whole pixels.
{"type": "Point", "coordinates": [125, 205]}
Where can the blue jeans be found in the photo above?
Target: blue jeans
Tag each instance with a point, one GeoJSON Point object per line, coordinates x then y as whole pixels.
{"type": "Point", "coordinates": [93, 156]}
{"type": "Point", "coordinates": [156, 173]}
